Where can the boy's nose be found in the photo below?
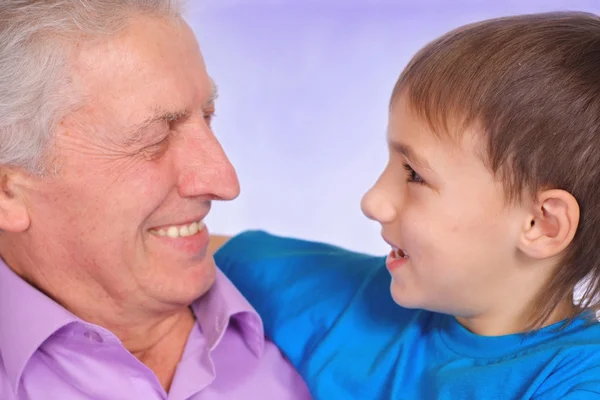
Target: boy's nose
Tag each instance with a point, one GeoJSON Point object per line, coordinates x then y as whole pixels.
{"type": "Point", "coordinates": [377, 207]}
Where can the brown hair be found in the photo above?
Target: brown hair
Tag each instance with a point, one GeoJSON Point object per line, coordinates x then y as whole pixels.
{"type": "Point", "coordinates": [531, 84]}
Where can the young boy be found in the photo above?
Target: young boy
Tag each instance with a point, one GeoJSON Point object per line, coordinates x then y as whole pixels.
{"type": "Point", "coordinates": [491, 205]}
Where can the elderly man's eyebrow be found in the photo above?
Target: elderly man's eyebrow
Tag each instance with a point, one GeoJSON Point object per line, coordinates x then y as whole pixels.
{"type": "Point", "coordinates": [214, 93]}
{"type": "Point", "coordinates": [137, 132]}
{"type": "Point", "coordinates": [408, 152]}
{"type": "Point", "coordinates": [156, 116]}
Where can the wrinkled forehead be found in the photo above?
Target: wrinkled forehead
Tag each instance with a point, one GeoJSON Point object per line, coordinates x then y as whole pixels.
{"type": "Point", "coordinates": [152, 64]}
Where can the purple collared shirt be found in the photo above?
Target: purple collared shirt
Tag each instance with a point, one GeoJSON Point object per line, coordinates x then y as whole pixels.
{"type": "Point", "coordinates": [46, 352]}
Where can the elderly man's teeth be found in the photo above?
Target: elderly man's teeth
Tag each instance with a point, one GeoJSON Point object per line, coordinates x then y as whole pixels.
{"type": "Point", "coordinates": [182, 231]}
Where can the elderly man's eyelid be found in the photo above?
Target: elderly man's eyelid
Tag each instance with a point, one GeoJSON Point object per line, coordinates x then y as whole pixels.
{"type": "Point", "coordinates": [139, 133]}
{"type": "Point", "coordinates": [209, 107]}
{"type": "Point", "coordinates": [169, 117]}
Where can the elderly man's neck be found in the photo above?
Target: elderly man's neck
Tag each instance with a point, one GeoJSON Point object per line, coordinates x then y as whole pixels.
{"type": "Point", "coordinates": [157, 338]}
{"type": "Point", "coordinates": [159, 346]}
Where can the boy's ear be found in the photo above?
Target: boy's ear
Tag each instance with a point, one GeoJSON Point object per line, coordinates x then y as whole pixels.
{"type": "Point", "coordinates": [551, 225]}
{"type": "Point", "coordinates": [14, 216]}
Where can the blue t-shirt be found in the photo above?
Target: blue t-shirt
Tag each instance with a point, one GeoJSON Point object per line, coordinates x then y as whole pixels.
{"type": "Point", "coordinates": [330, 311]}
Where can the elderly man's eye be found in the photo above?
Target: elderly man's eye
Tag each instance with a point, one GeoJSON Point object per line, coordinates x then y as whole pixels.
{"type": "Point", "coordinates": [157, 149]}
{"type": "Point", "coordinates": [209, 116]}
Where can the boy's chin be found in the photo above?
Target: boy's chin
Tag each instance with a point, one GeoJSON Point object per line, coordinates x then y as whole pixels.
{"type": "Point", "coordinates": [405, 298]}
{"type": "Point", "coordinates": [413, 300]}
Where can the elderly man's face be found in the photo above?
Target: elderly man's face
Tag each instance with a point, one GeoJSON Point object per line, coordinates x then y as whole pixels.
{"type": "Point", "coordinates": [138, 168]}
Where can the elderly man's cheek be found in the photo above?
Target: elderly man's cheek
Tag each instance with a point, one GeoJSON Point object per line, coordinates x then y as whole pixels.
{"type": "Point", "coordinates": [129, 167]}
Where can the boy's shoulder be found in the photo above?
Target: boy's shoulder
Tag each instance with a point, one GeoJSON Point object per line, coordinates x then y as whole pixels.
{"type": "Point", "coordinates": [302, 289]}
{"type": "Point", "coordinates": [575, 362]}
{"type": "Point", "coordinates": [330, 311]}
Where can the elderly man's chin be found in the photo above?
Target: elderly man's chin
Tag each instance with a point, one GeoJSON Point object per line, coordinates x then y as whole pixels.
{"type": "Point", "coordinates": [180, 283]}
{"type": "Point", "coordinates": [195, 281]}
{"type": "Point", "coordinates": [186, 270]}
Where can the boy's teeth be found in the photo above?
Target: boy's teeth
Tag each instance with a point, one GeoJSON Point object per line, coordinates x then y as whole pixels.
{"type": "Point", "coordinates": [400, 253]}
{"type": "Point", "coordinates": [180, 231]}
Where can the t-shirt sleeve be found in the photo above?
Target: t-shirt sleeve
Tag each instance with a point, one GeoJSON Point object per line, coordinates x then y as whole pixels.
{"type": "Point", "coordinates": [298, 287]}
{"type": "Point", "coordinates": [576, 379]}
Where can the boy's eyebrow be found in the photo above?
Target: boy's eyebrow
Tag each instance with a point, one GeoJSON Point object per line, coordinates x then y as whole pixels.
{"type": "Point", "coordinates": [410, 154]}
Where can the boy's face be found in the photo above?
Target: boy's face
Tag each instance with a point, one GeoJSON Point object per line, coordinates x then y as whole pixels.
{"type": "Point", "coordinates": [439, 204]}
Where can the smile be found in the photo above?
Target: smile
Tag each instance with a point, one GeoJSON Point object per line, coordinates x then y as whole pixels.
{"type": "Point", "coordinates": [176, 231]}
{"type": "Point", "coordinates": [398, 253]}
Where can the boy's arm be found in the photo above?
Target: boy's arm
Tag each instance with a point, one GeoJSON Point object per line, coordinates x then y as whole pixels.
{"type": "Point", "coordinates": [300, 288]}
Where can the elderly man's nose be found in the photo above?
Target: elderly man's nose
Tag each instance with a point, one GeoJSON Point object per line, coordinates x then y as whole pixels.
{"type": "Point", "coordinates": [206, 171]}
{"type": "Point", "coordinates": [376, 206]}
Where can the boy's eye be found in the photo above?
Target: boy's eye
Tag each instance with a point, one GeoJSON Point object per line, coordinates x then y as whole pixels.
{"type": "Point", "coordinates": [413, 177]}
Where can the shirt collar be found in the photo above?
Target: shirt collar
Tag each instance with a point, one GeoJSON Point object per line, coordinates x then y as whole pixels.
{"type": "Point", "coordinates": [27, 318]}
{"type": "Point", "coordinates": [219, 306]}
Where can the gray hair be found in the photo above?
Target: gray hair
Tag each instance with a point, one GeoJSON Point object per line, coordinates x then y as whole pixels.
{"type": "Point", "coordinates": [36, 38]}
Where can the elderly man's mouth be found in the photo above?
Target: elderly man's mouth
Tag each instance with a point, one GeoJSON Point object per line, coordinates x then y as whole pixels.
{"type": "Point", "coordinates": [177, 231]}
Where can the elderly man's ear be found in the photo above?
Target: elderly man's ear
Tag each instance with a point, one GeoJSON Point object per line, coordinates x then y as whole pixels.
{"type": "Point", "coordinates": [14, 216]}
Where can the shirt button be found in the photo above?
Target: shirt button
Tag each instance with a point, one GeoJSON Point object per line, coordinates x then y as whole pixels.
{"type": "Point", "coordinates": [93, 337]}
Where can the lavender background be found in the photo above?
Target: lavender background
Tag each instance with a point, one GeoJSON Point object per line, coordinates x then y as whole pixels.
{"type": "Point", "coordinates": [304, 87]}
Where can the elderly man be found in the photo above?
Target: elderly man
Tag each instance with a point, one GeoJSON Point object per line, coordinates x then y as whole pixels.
{"type": "Point", "coordinates": [108, 167]}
